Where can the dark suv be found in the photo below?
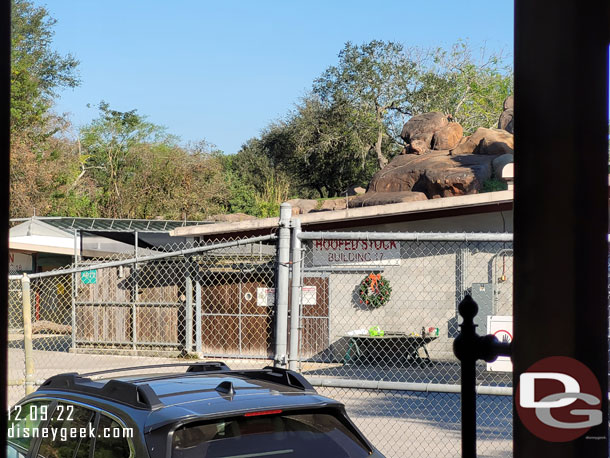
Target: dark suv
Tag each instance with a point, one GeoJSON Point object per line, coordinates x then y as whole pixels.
{"type": "Point", "coordinates": [207, 411]}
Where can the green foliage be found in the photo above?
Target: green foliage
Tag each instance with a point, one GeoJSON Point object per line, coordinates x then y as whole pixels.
{"type": "Point", "coordinates": [241, 194]}
{"type": "Point", "coordinates": [256, 185]}
{"type": "Point", "coordinates": [141, 172]}
{"type": "Point", "coordinates": [37, 72]}
{"type": "Point", "coordinates": [113, 144]}
{"type": "Point", "coordinates": [262, 199]}
{"type": "Point", "coordinates": [337, 136]}
{"type": "Point", "coordinates": [469, 89]}
{"type": "Point", "coordinates": [375, 79]}
{"type": "Point", "coordinates": [267, 204]}
{"type": "Point", "coordinates": [332, 146]}
{"type": "Point", "coordinates": [176, 183]}
{"type": "Point", "coordinates": [494, 184]}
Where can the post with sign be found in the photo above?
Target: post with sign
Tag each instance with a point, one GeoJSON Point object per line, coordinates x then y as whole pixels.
{"type": "Point", "coordinates": [74, 289]}
{"type": "Point", "coordinates": [560, 347]}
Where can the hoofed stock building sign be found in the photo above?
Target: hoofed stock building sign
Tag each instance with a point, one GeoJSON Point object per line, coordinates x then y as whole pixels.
{"type": "Point", "coordinates": [356, 253]}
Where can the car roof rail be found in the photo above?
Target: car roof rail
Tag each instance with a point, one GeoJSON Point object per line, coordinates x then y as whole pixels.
{"type": "Point", "coordinates": [140, 396]}
{"type": "Point", "coordinates": [208, 366]}
{"type": "Point", "coordinates": [205, 366]}
{"type": "Point", "coordinates": [277, 375]}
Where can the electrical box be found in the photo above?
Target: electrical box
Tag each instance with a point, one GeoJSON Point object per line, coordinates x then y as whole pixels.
{"type": "Point", "coordinates": [483, 295]}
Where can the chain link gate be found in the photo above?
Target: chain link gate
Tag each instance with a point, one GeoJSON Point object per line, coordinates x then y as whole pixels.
{"type": "Point", "coordinates": [208, 300]}
{"type": "Point", "coordinates": [390, 359]}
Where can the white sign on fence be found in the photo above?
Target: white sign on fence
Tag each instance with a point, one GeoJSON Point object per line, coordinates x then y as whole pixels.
{"type": "Point", "coordinates": [265, 297]}
{"type": "Point", "coordinates": [19, 262]}
{"type": "Point", "coordinates": [502, 328]}
{"type": "Point", "coordinates": [356, 253]}
{"type": "Point", "coordinates": [309, 296]}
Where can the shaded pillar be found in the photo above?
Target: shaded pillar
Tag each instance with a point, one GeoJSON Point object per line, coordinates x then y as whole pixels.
{"type": "Point", "coordinates": [561, 201]}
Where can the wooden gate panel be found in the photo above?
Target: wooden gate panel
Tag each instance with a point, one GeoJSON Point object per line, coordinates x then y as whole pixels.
{"type": "Point", "coordinates": [256, 332]}
{"type": "Point", "coordinates": [157, 324]}
{"type": "Point", "coordinates": [220, 334]}
{"type": "Point", "coordinates": [221, 299]}
{"type": "Point", "coordinates": [249, 304]}
{"type": "Point", "coordinates": [108, 286]}
{"type": "Point", "coordinates": [107, 324]}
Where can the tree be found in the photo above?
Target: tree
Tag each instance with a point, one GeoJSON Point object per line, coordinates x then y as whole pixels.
{"type": "Point", "coordinates": [37, 71]}
{"type": "Point", "coordinates": [42, 160]}
{"type": "Point", "coordinates": [455, 83]}
{"type": "Point", "coordinates": [45, 175]}
{"type": "Point", "coordinates": [111, 144]}
{"type": "Point", "coordinates": [176, 183]}
{"type": "Point", "coordinates": [386, 83]}
{"type": "Point", "coordinates": [375, 78]}
{"type": "Point", "coordinates": [258, 187]}
{"type": "Point", "coordinates": [332, 146]}
{"type": "Point", "coordinates": [142, 172]}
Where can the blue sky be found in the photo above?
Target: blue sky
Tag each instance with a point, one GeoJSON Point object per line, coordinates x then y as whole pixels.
{"type": "Point", "coordinates": [222, 70]}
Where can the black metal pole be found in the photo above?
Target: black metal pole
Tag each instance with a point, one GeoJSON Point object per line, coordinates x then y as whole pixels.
{"type": "Point", "coordinates": [464, 346]}
{"type": "Point", "coordinates": [470, 347]}
{"type": "Point", "coordinates": [469, 409]}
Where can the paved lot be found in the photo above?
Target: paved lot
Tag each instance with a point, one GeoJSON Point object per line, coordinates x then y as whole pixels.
{"type": "Point", "coordinates": [408, 424]}
{"type": "Point", "coordinates": [400, 424]}
{"type": "Point", "coordinates": [48, 363]}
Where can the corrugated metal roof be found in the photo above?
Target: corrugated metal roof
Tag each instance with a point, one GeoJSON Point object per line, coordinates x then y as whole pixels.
{"type": "Point", "coordinates": [111, 224]}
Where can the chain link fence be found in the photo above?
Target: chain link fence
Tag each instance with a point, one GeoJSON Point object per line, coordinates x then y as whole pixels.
{"type": "Point", "coordinates": [206, 300]}
{"type": "Point", "coordinates": [16, 355]}
{"type": "Point", "coordinates": [378, 320]}
{"type": "Point", "coordinates": [218, 300]}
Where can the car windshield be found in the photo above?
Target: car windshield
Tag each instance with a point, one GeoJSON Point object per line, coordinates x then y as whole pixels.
{"type": "Point", "coordinates": [290, 435]}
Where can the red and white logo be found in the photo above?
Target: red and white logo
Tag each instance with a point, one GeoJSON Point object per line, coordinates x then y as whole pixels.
{"type": "Point", "coordinates": [559, 399]}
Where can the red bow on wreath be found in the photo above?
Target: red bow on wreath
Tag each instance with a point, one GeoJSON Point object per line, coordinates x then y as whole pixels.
{"type": "Point", "coordinates": [374, 279]}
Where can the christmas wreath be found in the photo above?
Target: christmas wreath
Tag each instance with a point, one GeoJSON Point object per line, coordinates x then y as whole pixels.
{"type": "Point", "coordinates": [374, 290]}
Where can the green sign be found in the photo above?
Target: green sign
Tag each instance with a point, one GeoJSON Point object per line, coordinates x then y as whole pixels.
{"type": "Point", "coordinates": [88, 277]}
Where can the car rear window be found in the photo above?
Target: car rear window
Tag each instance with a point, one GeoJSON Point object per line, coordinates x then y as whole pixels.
{"type": "Point", "coordinates": [278, 435]}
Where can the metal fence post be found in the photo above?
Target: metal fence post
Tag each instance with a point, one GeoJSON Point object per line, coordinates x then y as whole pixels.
{"type": "Point", "coordinates": [462, 276]}
{"type": "Point", "coordinates": [188, 316]}
{"type": "Point", "coordinates": [295, 299]}
{"type": "Point", "coordinates": [281, 291]}
{"type": "Point", "coordinates": [136, 298]}
{"type": "Point", "coordinates": [74, 289]}
{"type": "Point", "coordinates": [198, 318]}
{"type": "Point", "coordinates": [27, 334]}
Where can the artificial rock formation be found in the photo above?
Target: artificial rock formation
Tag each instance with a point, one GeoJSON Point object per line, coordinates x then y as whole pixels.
{"type": "Point", "coordinates": [486, 141]}
{"type": "Point", "coordinates": [302, 206]}
{"type": "Point", "coordinates": [506, 121]}
{"type": "Point", "coordinates": [430, 131]}
{"type": "Point", "coordinates": [435, 174]}
{"type": "Point", "coordinates": [383, 198]}
{"type": "Point", "coordinates": [447, 137]}
{"type": "Point", "coordinates": [440, 162]}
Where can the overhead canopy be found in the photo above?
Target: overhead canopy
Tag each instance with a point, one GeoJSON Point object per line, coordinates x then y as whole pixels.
{"type": "Point", "coordinates": [96, 236]}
